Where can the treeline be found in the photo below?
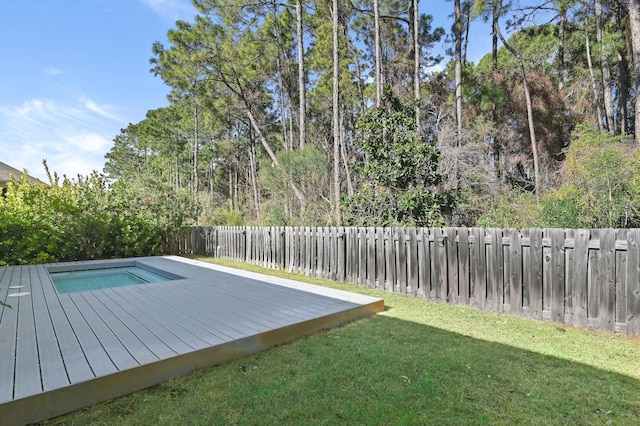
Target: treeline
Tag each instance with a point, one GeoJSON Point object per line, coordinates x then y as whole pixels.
{"type": "Point", "coordinates": [318, 113]}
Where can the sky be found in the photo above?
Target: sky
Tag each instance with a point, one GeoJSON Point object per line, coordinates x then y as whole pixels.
{"type": "Point", "coordinates": [76, 72]}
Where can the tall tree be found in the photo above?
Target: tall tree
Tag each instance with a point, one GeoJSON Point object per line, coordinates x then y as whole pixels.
{"type": "Point", "coordinates": [634, 22]}
{"type": "Point", "coordinates": [458, 31]}
{"type": "Point", "coordinates": [604, 67]}
{"type": "Point", "coordinates": [378, 53]}
{"type": "Point", "coordinates": [302, 98]}
{"type": "Point", "coordinates": [532, 131]}
{"type": "Point", "coordinates": [416, 58]}
{"type": "Point", "coordinates": [336, 111]}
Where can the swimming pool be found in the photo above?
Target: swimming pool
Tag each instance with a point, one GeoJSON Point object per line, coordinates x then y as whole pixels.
{"type": "Point", "coordinates": [94, 279]}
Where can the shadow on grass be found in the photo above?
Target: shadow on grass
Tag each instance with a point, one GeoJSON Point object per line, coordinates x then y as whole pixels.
{"type": "Point", "coordinates": [383, 371]}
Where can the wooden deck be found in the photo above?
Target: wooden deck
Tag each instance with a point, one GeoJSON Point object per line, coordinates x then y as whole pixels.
{"type": "Point", "coordinates": [61, 352]}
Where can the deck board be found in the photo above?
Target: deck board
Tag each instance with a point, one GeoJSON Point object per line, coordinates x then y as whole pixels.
{"type": "Point", "coordinates": [60, 352]}
{"type": "Point", "coordinates": [27, 367]}
{"type": "Point", "coordinates": [54, 374]}
{"type": "Point", "coordinates": [8, 323]}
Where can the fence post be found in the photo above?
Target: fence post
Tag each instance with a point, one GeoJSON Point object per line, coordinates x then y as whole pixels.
{"type": "Point", "coordinates": [633, 282]}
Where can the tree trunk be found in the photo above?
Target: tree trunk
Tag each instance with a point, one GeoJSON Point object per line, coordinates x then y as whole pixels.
{"type": "Point", "coordinates": [623, 90]}
{"type": "Point", "coordinates": [379, 77]}
{"type": "Point", "coordinates": [302, 102]}
{"type": "Point", "coordinates": [343, 154]}
{"type": "Point", "coordinates": [253, 166]}
{"type": "Point", "coordinates": [532, 131]}
{"type": "Point", "coordinates": [495, 6]}
{"type": "Point", "coordinates": [458, 71]}
{"type": "Point", "coordinates": [594, 84]}
{"type": "Point", "coordinates": [416, 60]}
{"type": "Point", "coordinates": [196, 138]}
{"type": "Point", "coordinates": [604, 67]}
{"type": "Point", "coordinates": [467, 25]}
{"type": "Point", "coordinates": [561, 43]}
{"type": "Point", "coordinates": [336, 114]}
{"type": "Point", "coordinates": [634, 22]}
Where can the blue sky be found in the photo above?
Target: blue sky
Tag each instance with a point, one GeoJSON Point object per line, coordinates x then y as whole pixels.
{"type": "Point", "coordinates": [75, 72]}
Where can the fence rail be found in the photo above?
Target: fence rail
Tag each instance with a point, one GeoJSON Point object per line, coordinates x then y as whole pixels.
{"type": "Point", "coordinates": [583, 278]}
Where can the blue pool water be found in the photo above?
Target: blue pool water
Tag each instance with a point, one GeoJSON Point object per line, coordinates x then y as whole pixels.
{"type": "Point", "coordinates": [94, 279]}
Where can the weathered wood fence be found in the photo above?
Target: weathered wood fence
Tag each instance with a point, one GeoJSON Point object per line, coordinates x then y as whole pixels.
{"type": "Point", "coordinates": [584, 278]}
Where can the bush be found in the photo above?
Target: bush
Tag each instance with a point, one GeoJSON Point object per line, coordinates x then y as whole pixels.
{"type": "Point", "coordinates": [87, 219]}
{"type": "Point", "coordinates": [515, 210]}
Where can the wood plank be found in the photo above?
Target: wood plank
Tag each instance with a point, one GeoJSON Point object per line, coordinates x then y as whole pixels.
{"type": "Point", "coordinates": [362, 256]}
{"type": "Point", "coordinates": [524, 233]}
{"type": "Point", "coordinates": [28, 380]}
{"type": "Point", "coordinates": [535, 273]}
{"type": "Point", "coordinates": [547, 276]}
{"type": "Point", "coordinates": [440, 265]}
{"type": "Point", "coordinates": [424, 263]}
{"type": "Point", "coordinates": [371, 257]}
{"type": "Point", "coordinates": [401, 260]}
{"type": "Point", "coordinates": [463, 267]}
{"type": "Point", "coordinates": [557, 277]}
{"type": "Point", "coordinates": [515, 272]}
{"type": "Point", "coordinates": [495, 270]}
{"type": "Point", "coordinates": [621, 284]}
{"type": "Point", "coordinates": [380, 257]}
{"type": "Point", "coordinates": [452, 265]}
{"type": "Point", "coordinates": [479, 286]}
{"type": "Point", "coordinates": [390, 260]}
{"type": "Point", "coordinates": [593, 289]}
{"type": "Point", "coordinates": [341, 241]}
{"type": "Point", "coordinates": [633, 282]}
{"type": "Point", "coordinates": [8, 325]}
{"type": "Point", "coordinates": [412, 259]}
{"type": "Point", "coordinates": [606, 279]}
{"type": "Point", "coordinates": [307, 250]}
{"type": "Point", "coordinates": [580, 277]}
{"type": "Point", "coordinates": [569, 234]}
{"type": "Point", "coordinates": [350, 242]}
{"type": "Point", "coordinates": [313, 251]}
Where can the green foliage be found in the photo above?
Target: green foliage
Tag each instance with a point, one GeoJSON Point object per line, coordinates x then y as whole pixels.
{"type": "Point", "coordinates": [401, 176]}
{"type": "Point", "coordinates": [513, 210]}
{"type": "Point", "coordinates": [85, 219]}
{"type": "Point", "coordinates": [309, 169]}
{"type": "Point", "coordinates": [220, 216]}
{"type": "Point", "coordinates": [605, 174]}
{"type": "Point", "coordinates": [562, 209]}
{"type": "Point", "coordinates": [601, 188]}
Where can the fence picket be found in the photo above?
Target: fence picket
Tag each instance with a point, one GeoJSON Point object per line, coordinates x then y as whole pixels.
{"type": "Point", "coordinates": [463, 267]}
{"type": "Point", "coordinates": [633, 282]}
{"type": "Point", "coordinates": [557, 275]}
{"type": "Point", "coordinates": [607, 279]}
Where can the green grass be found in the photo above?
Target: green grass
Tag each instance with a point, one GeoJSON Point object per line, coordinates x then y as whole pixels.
{"type": "Point", "coordinates": [416, 363]}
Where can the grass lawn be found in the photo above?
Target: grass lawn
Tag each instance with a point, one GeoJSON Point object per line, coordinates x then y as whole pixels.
{"type": "Point", "coordinates": [417, 363]}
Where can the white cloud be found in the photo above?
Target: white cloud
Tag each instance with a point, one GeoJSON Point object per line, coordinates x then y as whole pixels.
{"type": "Point", "coordinates": [51, 71]}
{"type": "Point", "coordinates": [172, 10]}
{"type": "Point", "coordinates": [103, 110]}
{"type": "Point", "coordinates": [73, 138]}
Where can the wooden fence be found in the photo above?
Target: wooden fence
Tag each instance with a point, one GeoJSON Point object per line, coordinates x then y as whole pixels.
{"type": "Point", "coordinates": [583, 278]}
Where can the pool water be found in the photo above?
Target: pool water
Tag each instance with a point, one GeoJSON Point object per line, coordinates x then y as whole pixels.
{"type": "Point", "coordinates": [94, 279]}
